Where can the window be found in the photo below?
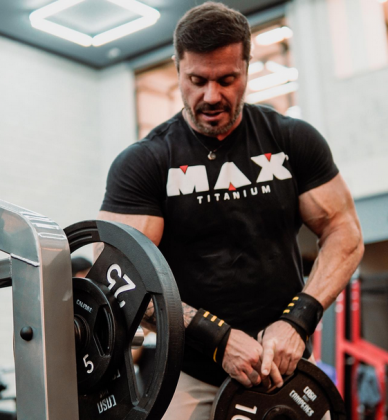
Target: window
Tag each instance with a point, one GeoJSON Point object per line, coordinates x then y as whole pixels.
{"type": "Point", "coordinates": [272, 79]}
{"type": "Point", "coordinates": [157, 96]}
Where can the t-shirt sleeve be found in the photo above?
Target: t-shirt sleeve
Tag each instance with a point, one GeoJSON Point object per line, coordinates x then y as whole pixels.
{"type": "Point", "coordinates": [310, 157]}
{"type": "Point", "coordinates": [134, 184]}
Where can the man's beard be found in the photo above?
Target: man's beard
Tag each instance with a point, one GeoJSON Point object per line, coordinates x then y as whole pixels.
{"type": "Point", "coordinates": [213, 131]}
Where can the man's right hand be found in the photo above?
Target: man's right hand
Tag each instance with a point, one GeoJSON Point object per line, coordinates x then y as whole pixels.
{"type": "Point", "coordinates": [242, 361]}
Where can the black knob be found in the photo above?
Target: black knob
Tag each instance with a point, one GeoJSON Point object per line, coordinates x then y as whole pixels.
{"type": "Point", "coordinates": [26, 333]}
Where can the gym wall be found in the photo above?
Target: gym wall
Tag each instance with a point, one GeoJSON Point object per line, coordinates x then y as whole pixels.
{"type": "Point", "coordinates": [61, 125]}
{"type": "Point", "coordinates": [341, 51]}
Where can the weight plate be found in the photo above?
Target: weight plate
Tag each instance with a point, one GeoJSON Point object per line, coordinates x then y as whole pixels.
{"type": "Point", "coordinates": [134, 271]}
{"type": "Point", "coordinates": [306, 394]}
{"type": "Point", "coordinates": [100, 333]}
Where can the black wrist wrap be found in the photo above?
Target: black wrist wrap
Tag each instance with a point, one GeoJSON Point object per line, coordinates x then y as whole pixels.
{"type": "Point", "coordinates": [208, 334]}
{"type": "Point", "coordinates": [303, 313]}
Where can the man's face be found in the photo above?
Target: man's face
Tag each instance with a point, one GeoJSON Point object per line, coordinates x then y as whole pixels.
{"type": "Point", "coordinates": [212, 87]}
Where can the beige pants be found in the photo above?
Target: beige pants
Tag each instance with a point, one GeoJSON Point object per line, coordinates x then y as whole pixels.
{"type": "Point", "coordinates": [193, 400]}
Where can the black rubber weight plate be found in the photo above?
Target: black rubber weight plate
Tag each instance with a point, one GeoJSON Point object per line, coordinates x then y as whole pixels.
{"type": "Point", "coordinates": [136, 272]}
{"type": "Point", "coordinates": [307, 394]}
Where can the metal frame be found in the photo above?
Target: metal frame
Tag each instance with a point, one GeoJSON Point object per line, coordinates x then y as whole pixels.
{"type": "Point", "coordinates": [362, 351]}
{"type": "Point", "coordinates": [39, 268]}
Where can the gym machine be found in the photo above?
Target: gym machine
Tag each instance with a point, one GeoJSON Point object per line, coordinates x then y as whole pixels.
{"type": "Point", "coordinates": [352, 350]}
{"type": "Point", "coordinates": [73, 336]}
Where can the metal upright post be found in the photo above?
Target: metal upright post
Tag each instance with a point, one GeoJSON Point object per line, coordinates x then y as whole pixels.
{"type": "Point", "coordinates": [40, 271]}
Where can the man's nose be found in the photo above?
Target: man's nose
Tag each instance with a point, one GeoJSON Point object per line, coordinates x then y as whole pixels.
{"type": "Point", "coordinates": [212, 93]}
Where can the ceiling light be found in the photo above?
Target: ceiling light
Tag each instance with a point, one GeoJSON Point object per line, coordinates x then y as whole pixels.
{"type": "Point", "coordinates": [53, 9]}
{"type": "Point", "coordinates": [275, 79]}
{"type": "Point", "coordinates": [136, 7]}
{"type": "Point", "coordinates": [149, 16]}
{"type": "Point", "coordinates": [257, 97]}
{"type": "Point", "coordinates": [255, 67]}
{"type": "Point", "coordinates": [274, 35]}
{"type": "Point", "coordinates": [62, 32]}
{"type": "Point", "coordinates": [123, 30]}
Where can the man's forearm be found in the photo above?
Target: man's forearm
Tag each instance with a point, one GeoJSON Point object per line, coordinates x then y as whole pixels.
{"type": "Point", "coordinates": [188, 313]}
{"type": "Point", "coordinates": [339, 255]}
{"type": "Point", "coordinates": [149, 319]}
{"type": "Point", "coordinates": [97, 249]}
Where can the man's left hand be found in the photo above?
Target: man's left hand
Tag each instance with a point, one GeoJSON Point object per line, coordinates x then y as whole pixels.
{"type": "Point", "coordinates": [281, 345]}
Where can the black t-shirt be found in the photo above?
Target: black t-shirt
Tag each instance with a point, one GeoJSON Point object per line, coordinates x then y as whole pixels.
{"type": "Point", "coordinates": [231, 224]}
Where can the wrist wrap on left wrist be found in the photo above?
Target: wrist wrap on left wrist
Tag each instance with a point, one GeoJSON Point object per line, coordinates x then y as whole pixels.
{"type": "Point", "coordinates": [304, 313]}
{"type": "Point", "coordinates": [208, 334]}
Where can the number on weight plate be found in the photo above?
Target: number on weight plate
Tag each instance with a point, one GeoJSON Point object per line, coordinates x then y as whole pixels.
{"type": "Point", "coordinates": [130, 284]}
{"type": "Point", "coordinates": [246, 409]}
{"type": "Point", "coordinates": [88, 363]}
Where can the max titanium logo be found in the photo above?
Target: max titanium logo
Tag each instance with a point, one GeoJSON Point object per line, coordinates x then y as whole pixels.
{"type": "Point", "coordinates": [187, 179]}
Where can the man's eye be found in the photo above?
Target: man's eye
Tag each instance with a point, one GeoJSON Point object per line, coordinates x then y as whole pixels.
{"type": "Point", "coordinates": [226, 81]}
{"type": "Point", "coordinates": [199, 81]}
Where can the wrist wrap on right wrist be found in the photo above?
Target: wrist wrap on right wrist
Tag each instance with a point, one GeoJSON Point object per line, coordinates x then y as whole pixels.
{"type": "Point", "coordinates": [208, 334]}
{"type": "Point", "coordinates": [303, 313]}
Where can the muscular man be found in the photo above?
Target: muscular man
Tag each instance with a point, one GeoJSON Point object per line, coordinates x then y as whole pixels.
{"type": "Point", "coordinates": [223, 188]}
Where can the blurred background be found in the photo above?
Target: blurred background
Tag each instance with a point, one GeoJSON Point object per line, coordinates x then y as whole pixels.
{"type": "Point", "coordinates": [74, 93]}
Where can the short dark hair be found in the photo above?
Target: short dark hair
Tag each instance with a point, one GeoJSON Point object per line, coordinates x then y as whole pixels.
{"type": "Point", "coordinates": [210, 26]}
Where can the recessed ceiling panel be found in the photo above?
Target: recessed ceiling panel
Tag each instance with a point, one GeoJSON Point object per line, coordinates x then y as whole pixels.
{"type": "Point", "coordinates": [93, 17]}
{"type": "Point", "coordinates": [96, 16]}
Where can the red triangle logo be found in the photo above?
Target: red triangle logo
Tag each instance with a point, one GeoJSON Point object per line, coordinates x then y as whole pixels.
{"type": "Point", "coordinates": [268, 156]}
{"type": "Point", "coordinates": [184, 168]}
{"type": "Point", "coordinates": [231, 187]}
